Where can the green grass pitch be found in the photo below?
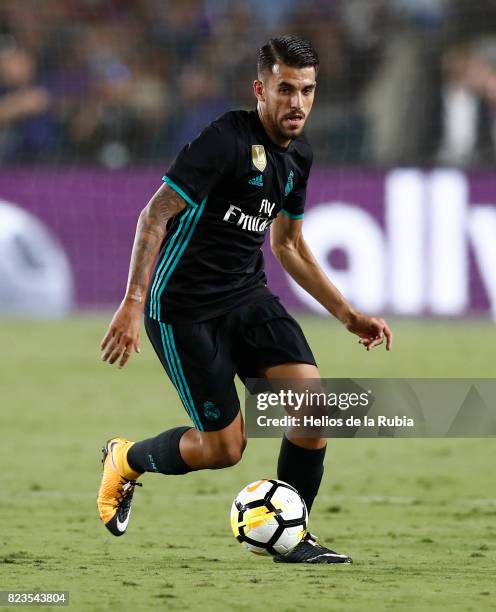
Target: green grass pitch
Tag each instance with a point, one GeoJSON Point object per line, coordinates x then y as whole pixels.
{"type": "Point", "coordinates": [417, 516]}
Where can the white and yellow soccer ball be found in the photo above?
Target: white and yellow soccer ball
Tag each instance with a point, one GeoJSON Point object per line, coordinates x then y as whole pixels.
{"type": "Point", "coordinates": [269, 517]}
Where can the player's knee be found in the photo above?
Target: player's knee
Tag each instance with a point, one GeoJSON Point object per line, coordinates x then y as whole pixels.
{"type": "Point", "coordinates": [234, 454]}
{"type": "Point", "coordinates": [230, 455]}
{"type": "Point", "coordinates": [226, 455]}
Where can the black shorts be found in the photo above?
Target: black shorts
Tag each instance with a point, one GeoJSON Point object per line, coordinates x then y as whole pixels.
{"type": "Point", "coordinates": [202, 359]}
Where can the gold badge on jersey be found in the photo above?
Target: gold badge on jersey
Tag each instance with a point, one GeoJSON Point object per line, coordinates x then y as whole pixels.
{"type": "Point", "coordinates": [258, 157]}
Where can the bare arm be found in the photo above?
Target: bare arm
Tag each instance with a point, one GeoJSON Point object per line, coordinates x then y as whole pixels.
{"type": "Point", "coordinates": [123, 332]}
{"type": "Point", "coordinates": [152, 222]}
{"type": "Point", "coordinates": [294, 255]}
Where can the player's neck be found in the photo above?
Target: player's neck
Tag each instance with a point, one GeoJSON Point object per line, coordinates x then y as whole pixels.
{"type": "Point", "coordinates": [271, 133]}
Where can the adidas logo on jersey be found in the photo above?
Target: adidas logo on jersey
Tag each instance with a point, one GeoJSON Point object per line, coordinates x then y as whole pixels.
{"type": "Point", "coordinates": [257, 181]}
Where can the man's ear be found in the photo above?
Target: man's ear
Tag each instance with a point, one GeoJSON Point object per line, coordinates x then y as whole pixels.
{"type": "Point", "coordinates": [258, 90]}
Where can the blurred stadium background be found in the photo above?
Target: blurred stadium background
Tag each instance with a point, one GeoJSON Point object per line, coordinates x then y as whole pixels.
{"type": "Point", "coordinates": [96, 97]}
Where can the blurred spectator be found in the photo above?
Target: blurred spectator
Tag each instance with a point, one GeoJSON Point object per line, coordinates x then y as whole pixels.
{"type": "Point", "coordinates": [124, 101]}
{"type": "Point", "coordinates": [203, 100]}
{"type": "Point", "coordinates": [469, 86]}
{"type": "Point", "coordinates": [402, 101]}
{"type": "Point", "coordinates": [27, 130]}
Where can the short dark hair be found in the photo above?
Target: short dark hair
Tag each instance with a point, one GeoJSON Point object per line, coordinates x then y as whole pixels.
{"type": "Point", "coordinates": [290, 50]}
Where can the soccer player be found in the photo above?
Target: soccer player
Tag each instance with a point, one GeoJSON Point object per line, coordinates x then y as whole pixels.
{"type": "Point", "coordinates": [208, 311]}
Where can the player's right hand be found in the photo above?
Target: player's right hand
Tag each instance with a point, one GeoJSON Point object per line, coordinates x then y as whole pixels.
{"type": "Point", "coordinates": [123, 334]}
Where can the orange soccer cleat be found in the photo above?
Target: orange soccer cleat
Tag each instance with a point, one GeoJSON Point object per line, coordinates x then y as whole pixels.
{"type": "Point", "coordinates": [117, 486]}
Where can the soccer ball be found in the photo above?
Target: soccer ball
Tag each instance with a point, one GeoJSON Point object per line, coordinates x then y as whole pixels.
{"type": "Point", "coordinates": [269, 517]}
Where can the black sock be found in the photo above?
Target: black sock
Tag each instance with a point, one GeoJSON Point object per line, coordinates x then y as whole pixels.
{"type": "Point", "coordinates": [159, 454]}
{"type": "Point", "coordinates": [302, 468]}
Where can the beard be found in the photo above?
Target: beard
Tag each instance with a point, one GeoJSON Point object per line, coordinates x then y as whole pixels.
{"type": "Point", "coordinates": [291, 124]}
{"type": "Point", "coordinates": [289, 133]}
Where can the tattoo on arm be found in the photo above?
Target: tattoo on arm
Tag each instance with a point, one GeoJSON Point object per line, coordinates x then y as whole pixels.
{"type": "Point", "coordinates": [152, 223]}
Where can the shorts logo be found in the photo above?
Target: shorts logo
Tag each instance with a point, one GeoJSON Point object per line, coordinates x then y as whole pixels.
{"type": "Point", "coordinates": [258, 157]}
{"type": "Point", "coordinates": [211, 412]}
{"type": "Point", "coordinates": [289, 184]}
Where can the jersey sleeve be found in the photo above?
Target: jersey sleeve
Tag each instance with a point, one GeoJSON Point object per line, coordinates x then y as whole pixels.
{"type": "Point", "coordinates": [203, 162]}
{"type": "Point", "coordinates": [294, 204]}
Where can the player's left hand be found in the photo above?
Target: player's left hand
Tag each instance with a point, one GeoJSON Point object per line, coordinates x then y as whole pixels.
{"type": "Point", "coordinates": [372, 331]}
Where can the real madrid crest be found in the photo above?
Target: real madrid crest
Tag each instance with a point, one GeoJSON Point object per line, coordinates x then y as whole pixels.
{"type": "Point", "coordinates": [258, 157]}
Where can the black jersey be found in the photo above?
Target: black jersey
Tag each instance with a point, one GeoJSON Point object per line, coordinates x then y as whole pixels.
{"type": "Point", "coordinates": [235, 181]}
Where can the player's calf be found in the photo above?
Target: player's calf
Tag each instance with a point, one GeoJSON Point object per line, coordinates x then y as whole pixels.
{"type": "Point", "coordinates": [185, 449]}
{"type": "Point", "coordinates": [214, 449]}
